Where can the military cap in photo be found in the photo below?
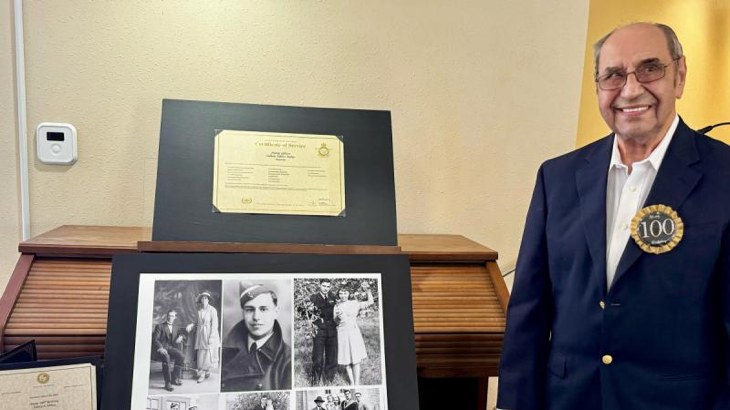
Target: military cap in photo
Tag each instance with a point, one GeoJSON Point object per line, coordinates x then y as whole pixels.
{"type": "Point", "coordinates": [251, 291]}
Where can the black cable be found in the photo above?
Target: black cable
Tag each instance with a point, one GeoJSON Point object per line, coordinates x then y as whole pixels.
{"type": "Point", "coordinates": [509, 272]}
{"type": "Point", "coordinates": [710, 127]}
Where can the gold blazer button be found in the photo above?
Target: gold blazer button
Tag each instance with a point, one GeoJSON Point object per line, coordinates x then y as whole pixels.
{"type": "Point", "coordinates": [607, 359]}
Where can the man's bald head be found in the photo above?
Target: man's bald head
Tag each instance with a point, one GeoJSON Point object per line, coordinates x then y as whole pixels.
{"type": "Point", "coordinates": [673, 44]}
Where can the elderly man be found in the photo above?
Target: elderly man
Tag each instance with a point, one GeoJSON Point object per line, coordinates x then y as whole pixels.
{"type": "Point", "coordinates": [255, 356]}
{"type": "Point", "coordinates": [621, 297]}
{"type": "Point", "coordinates": [166, 339]}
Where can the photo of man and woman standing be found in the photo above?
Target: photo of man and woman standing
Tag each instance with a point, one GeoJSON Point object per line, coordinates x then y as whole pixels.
{"type": "Point", "coordinates": [337, 332]}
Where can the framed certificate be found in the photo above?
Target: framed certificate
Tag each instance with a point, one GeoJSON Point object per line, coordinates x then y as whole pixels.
{"type": "Point", "coordinates": [278, 173]}
{"type": "Point", "coordinates": [63, 384]}
{"type": "Point", "coordinates": [237, 331]}
{"type": "Point", "coordinates": [274, 174]}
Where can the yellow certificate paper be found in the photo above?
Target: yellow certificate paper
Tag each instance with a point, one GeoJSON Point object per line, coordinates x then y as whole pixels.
{"type": "Point", "coordinates": [57, 387]}
{"type": "Point", "coordinates": [277, 173]}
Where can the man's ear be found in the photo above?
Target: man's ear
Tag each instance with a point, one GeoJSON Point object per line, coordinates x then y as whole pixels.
{"type": "Point", "coordinates": [680, 77]}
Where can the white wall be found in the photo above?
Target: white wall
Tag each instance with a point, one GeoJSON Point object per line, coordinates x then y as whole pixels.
{"type": "Point", "coordinates": [10, 232]}
{"type": "Point", "coordinates": [481, 92]}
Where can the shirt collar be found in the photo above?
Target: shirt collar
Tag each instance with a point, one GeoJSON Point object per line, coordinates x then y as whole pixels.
{"type": "Point", "coordinates": [259, 343]}
{"type": "Point", "coordinates": [656, 156]}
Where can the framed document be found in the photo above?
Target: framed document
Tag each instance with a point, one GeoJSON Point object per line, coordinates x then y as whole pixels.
{"type": "Point", "coordinates": [278, 173]}
{"type": "Point", "coordinates": [237, 331]}
{"type": "Point", "coordinates": [62, 384]}
{"type": "Point", "coordinates": [274, 174]}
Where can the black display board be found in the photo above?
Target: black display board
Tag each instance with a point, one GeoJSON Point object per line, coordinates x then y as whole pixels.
{"type": "Point", "coordinates": [183, 210]}
{"type": "Point", "coordinates": [125, 306]}
{"type": "Point", "coordinates": [26, 352]}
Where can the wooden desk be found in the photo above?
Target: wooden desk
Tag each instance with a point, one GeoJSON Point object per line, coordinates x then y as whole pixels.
{"type": "Point", "coordinates": [59, 291]}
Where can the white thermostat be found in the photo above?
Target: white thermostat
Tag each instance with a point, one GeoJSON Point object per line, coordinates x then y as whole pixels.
{"type": "Point", "coordinates": [56, 143]}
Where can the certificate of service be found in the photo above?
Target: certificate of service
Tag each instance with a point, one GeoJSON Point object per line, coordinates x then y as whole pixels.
{"type": "Point", "coordinates": [278, 173]}
{"type": "Point", "coordinates": [57, 387]}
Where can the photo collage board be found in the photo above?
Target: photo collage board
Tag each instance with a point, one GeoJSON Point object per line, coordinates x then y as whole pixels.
{"type": "Point", "coordinates": [268, 341]}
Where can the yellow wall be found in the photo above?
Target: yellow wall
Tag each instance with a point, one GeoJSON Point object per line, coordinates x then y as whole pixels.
{"type": "Point", "coordinates": [473, 114]}
{"type": "Point", "coordinates": [703, 28]}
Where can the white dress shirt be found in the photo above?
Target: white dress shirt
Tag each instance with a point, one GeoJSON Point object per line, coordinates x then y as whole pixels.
{"type": "Point", "coordinates": [625, 196]}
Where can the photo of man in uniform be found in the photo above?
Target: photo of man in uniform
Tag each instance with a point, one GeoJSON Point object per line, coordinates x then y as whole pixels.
{"type": "Point", "coordinates": [324, 349]}
{"type": "Point", "coordinates": [255, 355]}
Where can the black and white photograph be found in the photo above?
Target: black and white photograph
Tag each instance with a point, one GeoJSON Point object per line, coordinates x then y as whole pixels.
{"type": "Point", "coordinates": [183, 402]}
{"type": "Point", "coordinates": [186, 342]}
{"type": "Point", "coordinates": [277, 400]}
{"type": "Point", "coordinates": [337, 332]}
{"type": "Point", "coordinates": [257, 323]}
{"type": "Point", "coordinates": [256, 335]}
{"type": "Point", "coordinates": [339, 399]}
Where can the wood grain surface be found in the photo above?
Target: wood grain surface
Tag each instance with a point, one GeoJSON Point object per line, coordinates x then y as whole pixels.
{"type": "Point", "coordinates": [59, 292]}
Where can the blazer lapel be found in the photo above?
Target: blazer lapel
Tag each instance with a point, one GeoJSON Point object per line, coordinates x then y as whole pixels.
{"type": "Point", "coordinates": [673, 184]}
{"type": "Point", "coordinates": [591, 181]}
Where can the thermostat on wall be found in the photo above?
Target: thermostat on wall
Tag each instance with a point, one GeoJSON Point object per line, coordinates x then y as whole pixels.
{"type": "Point", "coordinates": [56, 143]}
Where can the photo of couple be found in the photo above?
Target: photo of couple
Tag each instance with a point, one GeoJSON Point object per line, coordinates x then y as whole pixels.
{"type": "Point", "coordinates": [337, 332]}
{"type": "Point", "coordinates": [186, 337]}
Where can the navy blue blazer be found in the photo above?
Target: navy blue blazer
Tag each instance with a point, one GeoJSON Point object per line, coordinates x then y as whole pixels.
{"type": "Point", "coordinates": [666, 319]}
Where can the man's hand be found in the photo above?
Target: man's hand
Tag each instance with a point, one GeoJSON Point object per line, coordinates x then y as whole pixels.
{"type": "Point", "coordinates": [189, 327]}
{"type": "Point", "coordinates": [162, 351]}
{"type": "Point", "coordinates": [179, 339]}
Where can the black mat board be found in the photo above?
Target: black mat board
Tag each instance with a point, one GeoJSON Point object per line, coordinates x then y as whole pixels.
{"type": "Point", "coordinates": [401, 379]}
{"type": "Point", "coordinates": [183, 201]}
{"type": "Point", "coordinates": [448, 393]}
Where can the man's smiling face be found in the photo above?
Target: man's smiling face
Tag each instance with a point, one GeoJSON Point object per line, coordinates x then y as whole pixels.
{"type": "Point", "coordinates": [638, 111]}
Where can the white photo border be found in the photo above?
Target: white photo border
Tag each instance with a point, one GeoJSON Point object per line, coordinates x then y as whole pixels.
{"type": "Point", "coordinates": [144, 322]}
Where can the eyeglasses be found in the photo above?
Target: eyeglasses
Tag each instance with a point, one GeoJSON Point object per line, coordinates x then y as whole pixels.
{"type": "Point", "coordinates": [646, 73]}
